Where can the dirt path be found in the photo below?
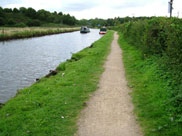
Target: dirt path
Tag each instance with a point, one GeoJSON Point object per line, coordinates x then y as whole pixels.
{"type": "Point", "coordinates": [110, 111]}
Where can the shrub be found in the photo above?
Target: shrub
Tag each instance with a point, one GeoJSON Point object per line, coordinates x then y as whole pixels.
{"type": "Point", "coordinates": [1, 21]}
{"type": "Point", "coordinates": [161, 37]}
{"type": "Point", "coordinates": [20, 25]}
{"type": "Point", "coordinates": [11, 22]}
{"type": "Point", "coordinates": [33, 23]}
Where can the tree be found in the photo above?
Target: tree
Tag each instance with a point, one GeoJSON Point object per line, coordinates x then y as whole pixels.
{"type": "Point", "coordinates": [23, 10]}
{"type": "Point", "coordinates": [83, 22]}
{"type": "Point", "coordinates": [33, 22]}
{"type": "Point", "coordinates": [1, 12]}
{"type": "Point", "coordinates": [1, 21]}
{"type": "Point", "coordinates": [11, 22]}
{"type": "Point", "coordinates": [7, 10]}
{"type": "Point", "coordinates": [15, 10]}
{"type": "Point", "coordinates": [60, 13]}
{"type": "Point", "coordinates": [30, 17]}
{"type": "Point", "coordinates": [43, 15]}
{"type": "Point", "coordinates": [55, 13]}
{"type": "Point", "coordinates": [110, 22]}
{"type": "Point", "coordinates": [30, 12]}
{"type": "Point", "coordinates": [69, 20]}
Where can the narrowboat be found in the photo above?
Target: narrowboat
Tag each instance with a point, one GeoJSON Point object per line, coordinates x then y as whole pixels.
{"type": "Point", "coordinates": [84, 29]}
{"type": "Point", "coordinates": [103, 30]}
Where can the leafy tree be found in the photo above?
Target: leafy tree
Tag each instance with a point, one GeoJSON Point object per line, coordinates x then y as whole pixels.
{"type": "Point", "coordinates": [110, 22]}
{"type": "Point", "coordinates": [95, 22]}
{"type": "Point", "coordinates": [43, 15]}
{"type": "Point", "coordinates": [83, 22]}
{"type": "Point", "coordinates": [30, 12]}
{"type": "Point", "coordinates": [1, 12]}
{"type": "Point", "coordinates": [60, 13]}
{"type": "Point", "coordinates": [1, 9]}
{"type": "Point", "coordinates": [11, 22]}
{"type": "Point", "coordinates": [55, 13]}
{"type": "Point", "coordinates": [67, 19]}
{"type": "Point", "coordinates": [31, 17]}
{"type": "Point", "coordinates": [33, 23]}
{"type": "Point", "coordinates": [15, 10]}
{"type": "Point", "coordinates": [7, 10]}
{"type": "Point", "coordinates": [23, 10]}
{"type": "Point", "coordinates": [1, 21]}
{"type": "Point", "coordinates": [20, 25]}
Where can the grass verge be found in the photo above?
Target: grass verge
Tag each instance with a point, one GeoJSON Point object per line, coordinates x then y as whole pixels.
{"type": "Point", "coordinates": [17, 33]}
{"type": "Point", "coordinates": [51, 106]}
{"type": "Point", "coordinates": [151, 92]}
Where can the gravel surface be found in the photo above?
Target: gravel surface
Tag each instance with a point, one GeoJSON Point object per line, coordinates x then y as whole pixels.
{"type": "Point", "coordinates": [109, 111]}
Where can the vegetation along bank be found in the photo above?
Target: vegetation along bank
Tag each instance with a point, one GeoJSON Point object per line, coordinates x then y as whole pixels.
{"type": "Point", "coordinates": [29, 17]}
{"type": "Point", "coordinates": [9, 33]}
{"type": "Point", "coordinates": [52, 105]}
{"type": "Point", "coordinates": [152, 52]}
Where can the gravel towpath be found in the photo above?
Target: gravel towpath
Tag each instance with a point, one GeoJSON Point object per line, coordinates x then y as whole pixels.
{"type": "Point", "coordinates": [109, 111]}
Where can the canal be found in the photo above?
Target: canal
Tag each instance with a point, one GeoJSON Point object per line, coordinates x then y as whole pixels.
{"type": "Point", "coordinates": [22, 61]}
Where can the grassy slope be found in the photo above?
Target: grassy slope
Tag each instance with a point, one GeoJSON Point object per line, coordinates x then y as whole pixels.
{"type": "Point", "coordinates": [151, 92]}
{"type": "Point", "coordinates": [17, 33]}
{"type": "Point", "coordinates": [52, 106]}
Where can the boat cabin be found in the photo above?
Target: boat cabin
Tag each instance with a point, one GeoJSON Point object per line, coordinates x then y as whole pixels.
{"type": "Point", "coordinates": [84, 29]}
{"type": "Point", "coordinates": [103, 30]}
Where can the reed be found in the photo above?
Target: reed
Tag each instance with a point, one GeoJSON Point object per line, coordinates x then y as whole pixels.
{"type": "Point", "coordinates": [7, 33]}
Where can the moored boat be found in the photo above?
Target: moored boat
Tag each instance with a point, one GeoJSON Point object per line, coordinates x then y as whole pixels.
{"type": "Point", "coordinates": [103, 30]}
{"type": "Point", "coordinates": [84, 29]}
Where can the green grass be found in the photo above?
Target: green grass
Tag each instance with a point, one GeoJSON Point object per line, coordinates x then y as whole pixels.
{"type": "Point", "coordinates": [51, 107]}
{"type": "Point", "coordinates": [151, 92]}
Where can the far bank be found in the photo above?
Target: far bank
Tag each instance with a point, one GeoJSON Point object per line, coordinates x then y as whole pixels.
{"type": "Point", "coordinates": [10, 33]}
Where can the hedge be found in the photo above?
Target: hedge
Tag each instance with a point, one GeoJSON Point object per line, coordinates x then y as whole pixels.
{"type": "Point", "coordinates": [160, 37]}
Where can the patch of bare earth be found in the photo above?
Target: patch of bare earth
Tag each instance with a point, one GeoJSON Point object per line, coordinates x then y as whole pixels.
{"type": "Point", "coordinates": [110, 110]}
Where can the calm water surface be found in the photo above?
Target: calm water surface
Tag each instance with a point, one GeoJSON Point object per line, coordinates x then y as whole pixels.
{"type": "Point", "coordinates": [22, 61]}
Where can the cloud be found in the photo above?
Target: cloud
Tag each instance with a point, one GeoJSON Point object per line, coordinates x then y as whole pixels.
{"type": "Point", "coordinates": [99, 8]}
{"type": "Point", "coordinates": [130, 5]}
{"type": "Point", "coordinates": [9, 2]}
{"type": "Point", "coordinates": [79, 6]}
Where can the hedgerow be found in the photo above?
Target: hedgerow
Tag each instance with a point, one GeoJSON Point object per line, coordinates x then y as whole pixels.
{"type": "Point", "coordinates": [161, 37]}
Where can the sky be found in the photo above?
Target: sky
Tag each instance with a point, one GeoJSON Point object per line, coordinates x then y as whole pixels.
{"type": "Point", "coordinates": [87, 9]}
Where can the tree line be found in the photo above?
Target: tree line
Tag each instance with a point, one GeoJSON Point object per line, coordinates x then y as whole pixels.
{"type": "Point", "coordinates": [30, 17]}
{"type": "Point", "coordinates": [98, 22]}
{"type": "Point", "coordinates": [23, 17]}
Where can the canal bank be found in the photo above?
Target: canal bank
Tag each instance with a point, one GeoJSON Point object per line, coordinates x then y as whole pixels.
{"type": "Point", "coordinates": [19, 33]}
{"type": "Point", "coordinates": [52, 105]}
{"type": "Point", "coordinates": [23, 61]}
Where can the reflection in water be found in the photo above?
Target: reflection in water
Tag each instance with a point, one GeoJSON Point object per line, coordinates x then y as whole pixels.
{"type": "Point", "coordinates": [22, 61]}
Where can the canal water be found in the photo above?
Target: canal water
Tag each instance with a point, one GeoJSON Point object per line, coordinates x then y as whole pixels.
{"type": "Point", "coordinates": [22, 61]}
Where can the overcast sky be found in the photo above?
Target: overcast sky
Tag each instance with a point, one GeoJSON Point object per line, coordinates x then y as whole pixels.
{"type": "Point", "coordinates": [100, 8]}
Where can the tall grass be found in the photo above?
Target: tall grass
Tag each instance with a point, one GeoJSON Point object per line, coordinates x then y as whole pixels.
{"type": "Point", "coordinates": [17, 33]}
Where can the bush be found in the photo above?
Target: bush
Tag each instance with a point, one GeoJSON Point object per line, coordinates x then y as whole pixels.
{"type": "Point", "coordinates": [1, 21]}
{"type": "Point", "coordinates": [11, 22]}
{"type": "Point", "coordinates": [20, 25]}
{"type": "Point", "coordinates": [157, 36]}
{"type": "Point", "coordinates": [33, 23]}
{"type": "Point", "coordinates": [161, 37]}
